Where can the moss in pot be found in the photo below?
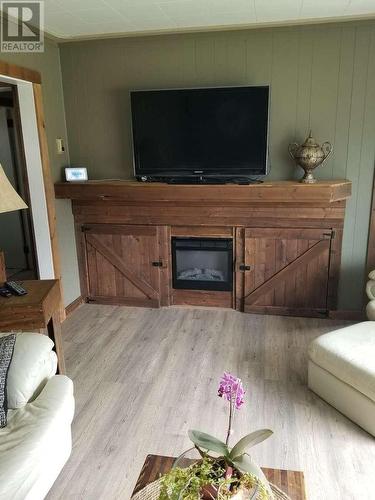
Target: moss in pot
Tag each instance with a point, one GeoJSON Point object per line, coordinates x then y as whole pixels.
{"type": "Point", "coordinates": [230, 474]}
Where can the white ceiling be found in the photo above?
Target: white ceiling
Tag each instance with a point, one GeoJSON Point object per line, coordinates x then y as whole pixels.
{"type": "Point", "coordinates": [85, 18]}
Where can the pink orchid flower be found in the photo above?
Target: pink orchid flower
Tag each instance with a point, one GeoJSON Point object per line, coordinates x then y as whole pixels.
{"type": "Point", "coordinates": [231, 389]}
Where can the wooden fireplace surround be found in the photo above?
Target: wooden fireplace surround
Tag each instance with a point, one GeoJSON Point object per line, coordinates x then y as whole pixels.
{"type": "Point", "coordinates": [287, 234]}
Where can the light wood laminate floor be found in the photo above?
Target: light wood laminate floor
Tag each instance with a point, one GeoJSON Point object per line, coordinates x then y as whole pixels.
{"type": "Point", "coordinates": [144, 377]}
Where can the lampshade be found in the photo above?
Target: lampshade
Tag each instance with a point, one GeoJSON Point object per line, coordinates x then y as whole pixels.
{"type": "Point", "coordinates": [9, 198]}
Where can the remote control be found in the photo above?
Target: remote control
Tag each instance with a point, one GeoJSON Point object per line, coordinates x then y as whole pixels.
{"type": "Point", "coordinates": [5, 292]}
{"type": "Point", "coordinates": [15, 288]}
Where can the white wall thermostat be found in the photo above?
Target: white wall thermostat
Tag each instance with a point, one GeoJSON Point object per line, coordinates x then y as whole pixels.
{"type": "Point", "coordinates": [76, 174]}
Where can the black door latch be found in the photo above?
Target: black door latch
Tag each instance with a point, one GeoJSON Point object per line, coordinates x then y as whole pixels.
{"type": "Point", "coordinates": [157, 264]}
{"type": "Point", "coordinates": [243, 267]}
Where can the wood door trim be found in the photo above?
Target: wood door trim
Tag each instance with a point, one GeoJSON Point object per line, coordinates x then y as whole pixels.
{"type": "Point", "coordinates": [34, 77]}
{"type": "Point", "coordinates": [118, 262]}
{"type": "Point", "coordinates": [20, 73]}
{"type": "Point", "coordinates": [48, 186]}
{"type": "Point", "coordinates": [288, 270]}
{"type": "Point", "coordinates": [26, 217]}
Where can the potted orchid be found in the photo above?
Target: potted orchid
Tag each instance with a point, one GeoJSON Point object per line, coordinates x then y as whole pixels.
{"type": "Point", "coordinates": [223, 471]}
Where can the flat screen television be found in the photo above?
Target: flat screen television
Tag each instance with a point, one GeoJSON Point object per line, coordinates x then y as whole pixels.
{"type": "Point", "coordinates": [200, 133]}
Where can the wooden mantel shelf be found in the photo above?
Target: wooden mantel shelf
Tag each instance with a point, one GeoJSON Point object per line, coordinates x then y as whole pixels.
{"type": "Point", "coordinates": [274, 192]}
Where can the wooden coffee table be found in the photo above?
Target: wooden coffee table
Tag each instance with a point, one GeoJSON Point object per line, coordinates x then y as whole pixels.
{"type": "Point", "coordinates": [290, 481]}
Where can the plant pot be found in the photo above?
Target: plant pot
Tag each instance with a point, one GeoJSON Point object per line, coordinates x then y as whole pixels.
{"type": "Point", "coordinates": [210, 491]}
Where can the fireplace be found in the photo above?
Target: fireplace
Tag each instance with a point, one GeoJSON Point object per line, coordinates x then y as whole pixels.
{"type": "Point", "coordinates": [202, 263]}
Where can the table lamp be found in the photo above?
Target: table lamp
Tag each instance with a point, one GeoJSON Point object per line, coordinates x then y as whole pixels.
{"type": "Point", "coordinates": [9, 201]}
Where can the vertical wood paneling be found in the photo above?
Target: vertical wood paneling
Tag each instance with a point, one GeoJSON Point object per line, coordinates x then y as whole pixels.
{"type": "Point", "coordinates": [370, 259]}
{"type": "Point", "coordinates": [351, 282]}
{"type": "Point", "coordinates": [344, 97]}
{"type": "Point", "coordinates": [324, 86]}
{"type": "Point", "coordinates": [283, 101]}
{"type": "Point", "coordinates": [236, 59]}
{"type": "Point", "coordinates": [321, 77]}
{"type": "Point", "coordinates": [365, 176]}
{"type": "Point", "coordinates": [204, 59]}
{"type": "Point", "coordinates": [305, 57]}
{"type": "Point", "coordinates": [220, 61]}
{"type": "Point", "coordinates": [259, 48]}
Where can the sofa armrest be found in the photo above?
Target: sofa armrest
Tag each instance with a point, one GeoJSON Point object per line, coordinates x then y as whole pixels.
{"type": "Point", "coordinates": [370, 289]}
{"type": "Point", "coordinates": [33, 363]}
{"type": "Point", "coordinates": [56, 396]}
{"type": "Point", "coordinates": [36, 443]}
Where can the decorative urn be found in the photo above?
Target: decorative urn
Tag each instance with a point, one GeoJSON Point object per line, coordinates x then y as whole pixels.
{"type": "Point", "coordinates": [309, 155]}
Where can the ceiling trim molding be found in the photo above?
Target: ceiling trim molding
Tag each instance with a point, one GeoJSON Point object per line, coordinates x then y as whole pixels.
{"type": "Point", "coordinates": [207, 29]}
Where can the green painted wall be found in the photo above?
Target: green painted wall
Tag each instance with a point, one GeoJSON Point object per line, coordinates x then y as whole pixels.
{"type": "Point", "coordinates": [48, 64]}
{"type": "Point", "coordinates": [322, 77]}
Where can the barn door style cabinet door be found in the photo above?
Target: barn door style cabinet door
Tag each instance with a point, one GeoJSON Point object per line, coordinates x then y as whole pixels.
{"type": "Point", "coordinates": [284, 271]}
{"type": "Point", "coordinates": [126, 264]}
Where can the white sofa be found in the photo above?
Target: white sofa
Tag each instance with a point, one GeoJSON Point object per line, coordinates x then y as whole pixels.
{"type": "Point", "coordinates": [342, 371]}
{"type": "Point", "coordinates": [36, 443]}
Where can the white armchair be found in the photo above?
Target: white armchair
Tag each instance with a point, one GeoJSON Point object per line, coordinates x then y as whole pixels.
{"type": "Point", "coordinates": [370, 292]}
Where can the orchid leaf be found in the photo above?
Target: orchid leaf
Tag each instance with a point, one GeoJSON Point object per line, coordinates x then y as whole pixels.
{"type": "Point", "coordinates": [248, 441]}
{"type": "Point", "coordinates": [208, 442]}
{"type": "Point", "coordinates": [246, 465]}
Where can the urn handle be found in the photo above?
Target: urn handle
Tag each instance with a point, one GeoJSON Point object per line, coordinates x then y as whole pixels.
{"type": "Point", "coordinates": [292, 148]}
{"type": "Point", "coordinates": [327, 149]}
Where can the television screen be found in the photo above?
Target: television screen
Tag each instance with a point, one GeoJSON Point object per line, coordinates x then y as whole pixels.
{"type": "Point", "coordinates": [202, 131]}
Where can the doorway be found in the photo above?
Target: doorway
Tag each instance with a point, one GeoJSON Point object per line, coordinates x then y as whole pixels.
{"type": "Point", "coordinates": [16, 228]}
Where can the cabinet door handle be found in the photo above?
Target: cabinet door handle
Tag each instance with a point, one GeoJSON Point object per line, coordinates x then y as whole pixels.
{"type": "Point", "coordinates": [157, 264]}
{"type": "Point", "coordinates": [243, 267]}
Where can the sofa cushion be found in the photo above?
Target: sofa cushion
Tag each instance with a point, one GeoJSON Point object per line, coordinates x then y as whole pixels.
{"type": "Point", "coordinates": [6, 352]}
{"type": "Point", "coordinates": [349, 355]}
{"type": "Point", "coordinates": [32, 365]}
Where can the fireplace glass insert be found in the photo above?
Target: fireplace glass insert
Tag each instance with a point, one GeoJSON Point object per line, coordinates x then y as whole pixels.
{"type": "Point", "coordinates": [202, 263]}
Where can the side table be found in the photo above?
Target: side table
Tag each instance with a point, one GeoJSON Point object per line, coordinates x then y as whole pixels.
{"type": "Point", "coordinates": [38, 309]}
